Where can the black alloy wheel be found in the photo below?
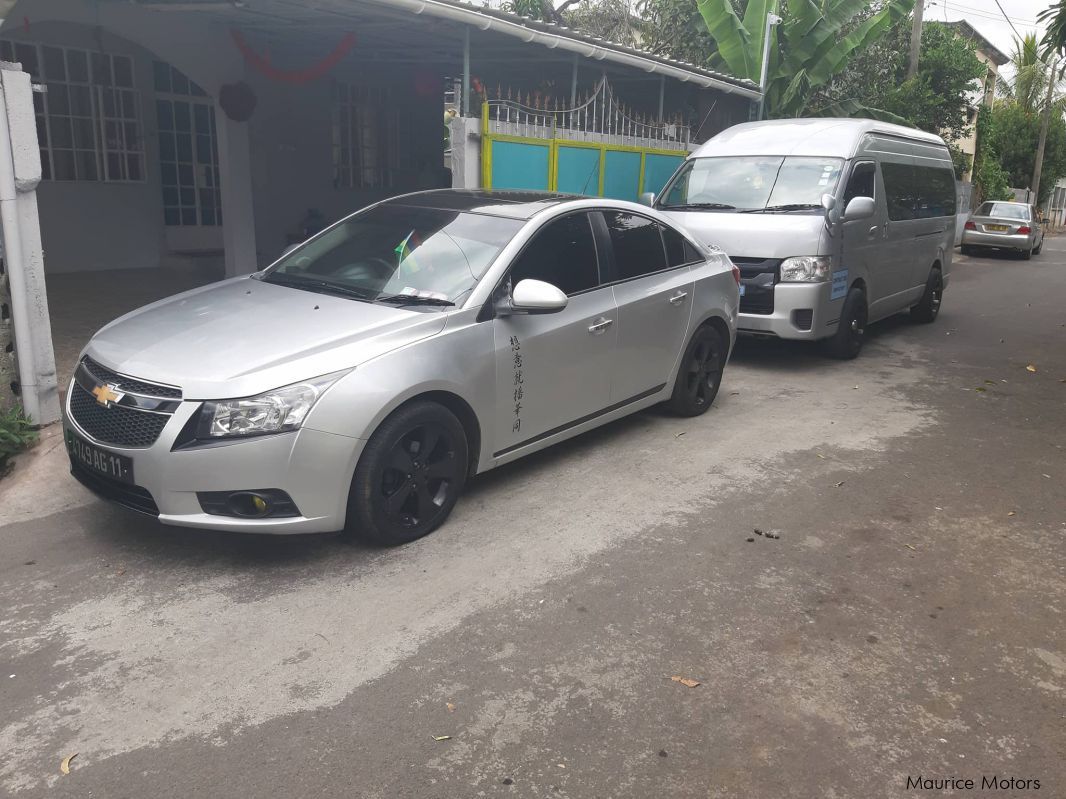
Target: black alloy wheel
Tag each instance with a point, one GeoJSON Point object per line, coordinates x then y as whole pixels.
{"type": "Point", "coordinates": [410, 475]}
{"type": "Point", "coordinates": [928, 306]}
{"type": "Point", "coordinates": [700, 374]}
{"type": "Point", "coordinates": [847, 341]}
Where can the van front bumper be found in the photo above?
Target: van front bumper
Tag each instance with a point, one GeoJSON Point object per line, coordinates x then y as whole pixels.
{"type": "Point", "coordinates": [802, 311]}
{"type": "Point", "coordinates": [312, 467]}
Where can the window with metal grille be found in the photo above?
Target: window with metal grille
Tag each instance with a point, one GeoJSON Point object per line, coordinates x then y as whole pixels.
{"type": "Point", "coordinates": [370, 136]}
{"type": "Point", "coordinates": [88, 119]}
{"type": "Point", "coordinates": [188, 150]}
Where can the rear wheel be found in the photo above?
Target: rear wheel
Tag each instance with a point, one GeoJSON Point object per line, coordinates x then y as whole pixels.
{"type": "Point", "coordinates": [1026, 254]}
{"type": "Point", "coordinates": [966, 249]}
{"type": "Point", "coordinates": [700, 374]}
{"type": "Point", "coordinates": [929, 305]}
{"type": "Point", "coordinates": [847, 341]}
{"type": "Point", "coordinates": [1039, 247]}
{"type": "Point", "coordinates": [409, 476]}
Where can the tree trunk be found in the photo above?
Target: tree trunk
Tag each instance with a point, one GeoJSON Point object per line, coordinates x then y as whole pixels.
{"type": "Point", "coordinates": [916, 38]}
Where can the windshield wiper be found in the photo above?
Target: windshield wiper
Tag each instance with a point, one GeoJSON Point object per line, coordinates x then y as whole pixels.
{"type": "Point", "coordinates": [788, 207]}
{"type": "Point", "coordinates": [414, 299]}
{"type": "Point", "coordinates": [313, 284]}
{"type": "Point", "coordinates": [701, 206]}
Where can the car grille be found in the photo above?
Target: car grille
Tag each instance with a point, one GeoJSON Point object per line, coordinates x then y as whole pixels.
{"type": "Point", "coordinates": [129, 385]}
{"type": "Point", "coordinates": [117, 425]}
{"type": "Point", "coordinates": [758, 275]}
{"type": "Point", "coordinates": [133, 497]}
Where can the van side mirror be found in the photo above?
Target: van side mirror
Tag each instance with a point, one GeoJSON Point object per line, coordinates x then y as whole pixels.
{"type": "Point", "coordinates": [533, 297]}
{"type": "Point", "coordinates": [859, 208]}
{"type": "Point", "coordinates": [648, 198]}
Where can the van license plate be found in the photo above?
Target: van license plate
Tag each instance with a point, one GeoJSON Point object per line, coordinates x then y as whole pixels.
{"type": "Point", "coordinates": [997, 228]}
{"type": "Point", "coordinates": [100, 461]}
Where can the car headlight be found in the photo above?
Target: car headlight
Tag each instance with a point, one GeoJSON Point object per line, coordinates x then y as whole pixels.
{"type": "Point", "coordinates": [276, 411]}
{"type": "Point", "coordinates": [806, 269]}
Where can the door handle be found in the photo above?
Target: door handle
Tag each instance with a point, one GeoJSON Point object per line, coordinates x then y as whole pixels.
{"type": "Point", "coordinates": [873, 231]}
{"type": "Point", "coordinates": [600, 325]}
{"type": "Point", "coordinates": [678, 298]}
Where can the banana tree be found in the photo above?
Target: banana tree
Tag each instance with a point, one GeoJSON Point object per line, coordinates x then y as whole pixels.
{"type": "Point", "coordinates": [813, 43]}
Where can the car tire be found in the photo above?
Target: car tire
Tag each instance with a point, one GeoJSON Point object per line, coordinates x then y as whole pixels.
{"type": "Point", "coordinates": [1038, 248]}
{"type": "Point", "coordinates": [700, 374]}
{"type": "Point", "coordinates": [409, 477]}
{"type": "Point", "coordinates": [966, 249]}
{"type": "Point", "coordinates": [928, 306]}
{"type": "Point", "coordinates": [1026, 254]}
{"type": "Point", "coordinates": [846, 343]}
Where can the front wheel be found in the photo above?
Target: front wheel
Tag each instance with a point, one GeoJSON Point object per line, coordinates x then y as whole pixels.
{"type": "Point", "coordinates": [847, 341]}
{"type": "Point", "coordinates": [700, 373]}
{"type": "Point", "coordinates": [929, 305]}
{"type": "Point", "coordinates": [409, 476]}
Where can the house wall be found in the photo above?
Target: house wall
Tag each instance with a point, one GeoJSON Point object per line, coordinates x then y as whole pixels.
{"type": "Point", "coordinates": [986, 96]}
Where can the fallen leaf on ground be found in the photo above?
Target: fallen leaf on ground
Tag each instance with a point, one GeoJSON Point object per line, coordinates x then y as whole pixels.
{"type": "Point", "coordinates": [910, 547]}
{"type": "Point", "coordinates": [65, 765]}
{"type": "Point", "coordinates": [1011, 513]}
{"type": "Point", "coordinates": [820, 455]}
{"type": "Point", "coordinates": [442, 737]}
{"type": "Point", "coordinates": [992, 382]}
{"type": "Point", "coordinates": [685, 681]}
{"type": "Point", "coordinates": [451, 707]}
{"type": "Point", "coordinates": [981, 388]}
{"type": "Point", "coordinates": [679, 435]}
{"type": "Point", "coordinates": [1030, 368]}
{"type": "Point", "coordinates": [838, 485]}
{"type": "Point", "coordinates": [757, 531]}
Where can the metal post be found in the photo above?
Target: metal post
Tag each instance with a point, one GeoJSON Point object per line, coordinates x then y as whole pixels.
{"type": "Point", "coordinates": [662, 93]}
{"type": "Point", "coordinates": [466, 71]}
{"type": "Point", "coordinates": [771, 20]}
{"type": "Point", "coordinates": [573, 84]}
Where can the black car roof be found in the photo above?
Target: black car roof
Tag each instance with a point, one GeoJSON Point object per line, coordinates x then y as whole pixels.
{"type": "Point", "coordinates": [512, 204]}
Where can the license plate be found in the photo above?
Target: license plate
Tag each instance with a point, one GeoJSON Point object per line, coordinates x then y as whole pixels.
{"type": "Point", "coordinates": [997, 228]}
{"type": "Point", "coordinates": [742, 287]}
{"type": "Point", "coordinates": [100, 461]}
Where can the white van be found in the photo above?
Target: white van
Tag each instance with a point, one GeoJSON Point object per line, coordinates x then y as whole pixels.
{"type": "Point", "coordinates": [833, 223]}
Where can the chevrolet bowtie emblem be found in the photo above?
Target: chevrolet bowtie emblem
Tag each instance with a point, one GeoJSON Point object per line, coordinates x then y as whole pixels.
{"type": "Point", "coordinates": [107, 395]}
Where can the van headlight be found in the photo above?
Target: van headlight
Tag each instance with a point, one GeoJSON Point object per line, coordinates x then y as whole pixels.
{"type": "Point", "coordinates": [276, 411]}
{"type": "Point", "coordinates": [806, 269]}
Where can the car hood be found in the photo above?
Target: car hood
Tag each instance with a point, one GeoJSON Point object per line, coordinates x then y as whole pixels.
{"type": "Point", "coordinates": [242, 337]}
{"type": "Point", "coordinates": [755, 235]}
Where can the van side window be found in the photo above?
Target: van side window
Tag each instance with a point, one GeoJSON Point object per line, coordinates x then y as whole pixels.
{"type": "Point", "coordinates": [861, 182]}
{"type": "Point", "coordinates": [936, 192]}
{"type": "Point", "coordinates": [900, 190]}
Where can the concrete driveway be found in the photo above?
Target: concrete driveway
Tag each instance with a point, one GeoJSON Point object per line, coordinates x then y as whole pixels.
{"type": "Point", "coordinates": [909, 621]}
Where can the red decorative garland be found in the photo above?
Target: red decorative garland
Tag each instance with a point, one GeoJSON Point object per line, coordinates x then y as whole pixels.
{"type": "Point", "coordinates": [262, 63]}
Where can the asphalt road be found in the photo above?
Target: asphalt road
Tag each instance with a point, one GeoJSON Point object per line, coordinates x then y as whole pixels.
{"type": "Point", "coordinates": [909, 621]}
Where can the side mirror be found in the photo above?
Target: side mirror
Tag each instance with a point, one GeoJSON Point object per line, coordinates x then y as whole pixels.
{"type": "Point", "coordinates": [535, 297]}
{"type": "Point", "coordinates": [647, 198]}
{"type": "Point", "coordinates": [859, 208]}
{"type": "Point", "coordinates": [828, 201]}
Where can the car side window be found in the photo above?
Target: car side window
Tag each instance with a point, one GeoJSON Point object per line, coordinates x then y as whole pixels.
{"type": "Point", "coordinates": [562, 253]}
{"type": "Point", "coordinates": [861, 183]}
{"type": "Point", "coordinates": [678, 249]}
{"type": "Point", "coordinates": [638, 247]}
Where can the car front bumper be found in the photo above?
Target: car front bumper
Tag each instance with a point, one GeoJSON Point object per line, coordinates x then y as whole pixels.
{"type": "Point", "coordinates": [1007, 241]}
{"type": "Point", "coordinates": [313, 467]}
{"type": "Point", "coordinates": [801, 311]}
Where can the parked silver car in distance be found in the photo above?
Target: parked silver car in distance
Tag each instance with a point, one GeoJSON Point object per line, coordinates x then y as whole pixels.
{"type": "Point", "coordinates": [1004, 226]}
{"type": "Point", "coordinates": [362, 378]}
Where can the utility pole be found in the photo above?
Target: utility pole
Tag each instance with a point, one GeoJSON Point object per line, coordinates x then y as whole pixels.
{"type": "Point", "coordinates": [1038, 167]}
{"type": "Point", "coordinates": [771, 20]}
{"type": "Point", "coordinates": [916, 38]}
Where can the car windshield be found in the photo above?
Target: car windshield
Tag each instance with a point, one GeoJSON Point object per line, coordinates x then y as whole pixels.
{"type": "Point", "coordinates": [1004, 210]}
{"type": "Point", "coordinates": [771, 184]}
{"type": "Point", "coordinates": [399, 254]}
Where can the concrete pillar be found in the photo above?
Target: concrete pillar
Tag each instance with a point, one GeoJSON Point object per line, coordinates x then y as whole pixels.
{"type": "Point", "coordinates": [466, 152]}
{"type": "Point", "coordinates": [238, 210]}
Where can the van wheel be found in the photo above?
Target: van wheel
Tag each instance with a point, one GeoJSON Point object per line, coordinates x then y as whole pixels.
{"type": "Point", "coordinates": [700, 373]}
{"type": "Point", "coordinates": [929, 305]}
{"type": "Point", "coordinates": [409, 476]}
{"type": "Point", "coordinates": [847, 342]}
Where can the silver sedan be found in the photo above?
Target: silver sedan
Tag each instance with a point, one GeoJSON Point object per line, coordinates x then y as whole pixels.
{"type": "Point", "coordinates": [360, 380]}
{"type": "Point", "coordinates": [1004, 226]}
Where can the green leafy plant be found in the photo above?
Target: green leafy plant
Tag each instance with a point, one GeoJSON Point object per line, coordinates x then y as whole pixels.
{"type": "Point", "coordinates": [16, 433]}
{"type": "Point", "coordinates": [814, 42]}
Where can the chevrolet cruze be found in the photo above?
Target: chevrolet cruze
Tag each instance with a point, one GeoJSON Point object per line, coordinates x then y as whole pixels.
{"type": "Point", "coordinates": [359, 381]}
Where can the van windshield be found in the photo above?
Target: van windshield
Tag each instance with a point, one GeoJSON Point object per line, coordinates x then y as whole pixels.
{"type": "Point", "coordinates": [771, 184]}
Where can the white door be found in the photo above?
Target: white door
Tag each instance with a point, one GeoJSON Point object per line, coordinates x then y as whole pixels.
{"type": "Point", "coordinates": [554, 370]}
{"type": "Point", "coordinates": [654, 296]}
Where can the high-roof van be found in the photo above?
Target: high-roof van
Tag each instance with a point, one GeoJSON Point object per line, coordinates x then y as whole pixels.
{"type": "Point", "coordinates": [833, 223]}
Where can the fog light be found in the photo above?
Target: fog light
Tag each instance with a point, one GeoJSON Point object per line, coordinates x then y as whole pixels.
{"type": "Point", "coordinates": [248, 504]}
{"type": "Point", "coordinates": [244, 503]}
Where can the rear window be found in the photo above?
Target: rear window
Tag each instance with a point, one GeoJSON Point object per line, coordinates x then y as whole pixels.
{"type": "Point", "coordinates": [1004, 210]}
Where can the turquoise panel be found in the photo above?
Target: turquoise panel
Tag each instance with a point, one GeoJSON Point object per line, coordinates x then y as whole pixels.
{"type": "Point", "coordinates": [516, 165]}
{"type": "Point", "coordinates": [578, 170]}
{"type": "Point", "coordinates": [621, 175]}
{"type": "Point", "coordinates": [658, 169]}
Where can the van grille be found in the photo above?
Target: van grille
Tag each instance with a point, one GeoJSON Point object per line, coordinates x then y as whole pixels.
{"type": "Point", "coordinates": [758, 276]}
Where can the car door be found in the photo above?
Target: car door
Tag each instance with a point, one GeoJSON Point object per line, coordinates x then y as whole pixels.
{"type": "Point", "coordinates": [554, 369]}
{"type": "Point", "coordinates": [654, 296]}
{"type": "Point", "coordinates": [863, 252]}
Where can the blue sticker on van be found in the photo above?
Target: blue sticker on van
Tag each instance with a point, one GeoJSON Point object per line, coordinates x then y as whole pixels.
{"type": "Point", "coordinates": [840, 284]}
